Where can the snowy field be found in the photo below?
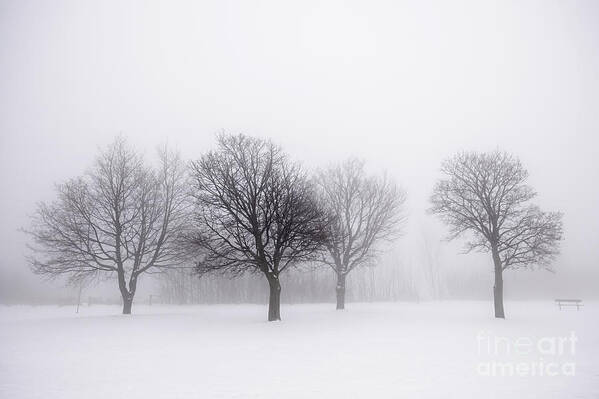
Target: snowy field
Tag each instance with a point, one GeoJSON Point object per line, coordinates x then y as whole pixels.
{"type": "Point", "coordinates": [382, 350]}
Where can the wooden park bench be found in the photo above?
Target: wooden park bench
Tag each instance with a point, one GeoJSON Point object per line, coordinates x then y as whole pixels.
{"type": "Point", "coordinates": [569, 302]}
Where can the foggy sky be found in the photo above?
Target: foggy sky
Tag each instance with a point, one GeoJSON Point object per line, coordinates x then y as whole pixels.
{"type": "Point", "coordinates": [401, 84]}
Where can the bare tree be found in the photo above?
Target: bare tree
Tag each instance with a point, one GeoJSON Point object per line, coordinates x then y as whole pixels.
{"type": "Point", "coordinates": [485, 194]}
{"type": "Point", "coordinates": [363, 211]}
{"type": "Point", "coordinates": [255, 212]}
{"type": "Point", "coordinates": [122, 217]}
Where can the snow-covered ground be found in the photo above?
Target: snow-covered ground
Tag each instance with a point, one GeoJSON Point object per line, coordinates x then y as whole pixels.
{"type": "Point", "coordinates": [378, 350]}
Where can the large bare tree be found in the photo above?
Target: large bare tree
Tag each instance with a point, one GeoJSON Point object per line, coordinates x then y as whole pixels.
{"type": "Point", "coordinates": [255, 212]}
{"type": "Point", "coordinates": [486, 195]}
{"type": "Point", "coordinates": [122, 218]}
{"type": "Point", "coordinates": [363, 210]}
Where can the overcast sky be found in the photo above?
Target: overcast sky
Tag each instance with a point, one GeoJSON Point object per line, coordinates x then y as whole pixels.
{"type": "Point", "coordinates": [402, 84]}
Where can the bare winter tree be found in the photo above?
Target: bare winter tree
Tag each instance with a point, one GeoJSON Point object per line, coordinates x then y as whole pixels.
{"type": "Point", "coordinates": [363, 212]}
{"type": "Point", "coordinates": [486, 194]}
{"type": "Point", "coordinates": [121, 218]}
{"type": "Point", "coordinates": [255, 212]}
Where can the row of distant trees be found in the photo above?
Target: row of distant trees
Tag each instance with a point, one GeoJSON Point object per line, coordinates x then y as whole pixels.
{"type": "Point", "coordinates": [395, 278]}
{"type": "Point", "coordinates": [246, 207]}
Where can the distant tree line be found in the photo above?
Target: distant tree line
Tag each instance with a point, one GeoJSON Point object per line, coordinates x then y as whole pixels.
{"type": "Point", "coordinates": [391, 280]}
{"type": "Point", "coordinates": [246, 211]}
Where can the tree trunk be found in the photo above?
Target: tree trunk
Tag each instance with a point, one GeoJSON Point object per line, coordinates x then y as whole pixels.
{"type": "Point", "coordinates": [274, 302]}
{"type": "Point", "coordinates": [126, 294]}
{"type": "Point", "coordinates": [127, 303]}
{"type": "Point", "coordinates": [498, 287]}
{"type": "Point", "coordinates": [498, 295]}
{"type": "Point", "coordinates": [340, 291]}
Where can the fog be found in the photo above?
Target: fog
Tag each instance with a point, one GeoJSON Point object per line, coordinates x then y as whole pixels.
{"type": "Point", "coordinates": [402, 85]}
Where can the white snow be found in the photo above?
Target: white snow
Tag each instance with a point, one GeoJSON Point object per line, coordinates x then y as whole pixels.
{"type": "Point", "coordinates": [378, 350]}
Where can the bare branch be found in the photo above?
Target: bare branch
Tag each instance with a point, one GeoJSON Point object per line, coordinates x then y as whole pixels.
{"type": "Point", "coordinates": [364, 211]}
{"type": "Point", "coordinates": [254, 209]}
{"type": "Point", "coordinates": [122, 216]}
{"type": "Point", "coordinates": [486, 195]}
